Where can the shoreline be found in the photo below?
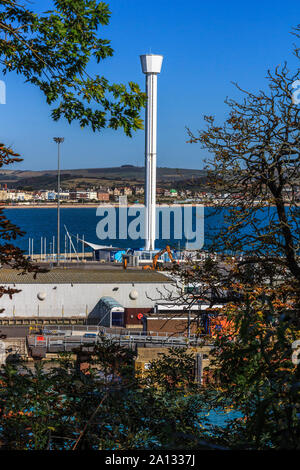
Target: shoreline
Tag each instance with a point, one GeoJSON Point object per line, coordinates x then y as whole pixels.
{"type": "Point", "coordinates": [52, 206]}
{"type": "Point", "coordinates": [86, 206]}
{"type": "Point", "coordinates": [95, 206]}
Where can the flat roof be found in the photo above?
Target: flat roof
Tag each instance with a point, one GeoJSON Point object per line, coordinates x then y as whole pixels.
{"type": "Point", "coordinates": [82, 276]}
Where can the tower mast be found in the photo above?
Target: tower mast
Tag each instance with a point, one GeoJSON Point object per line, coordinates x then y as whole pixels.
{"type": "Point", "coordinates": [151, 67]}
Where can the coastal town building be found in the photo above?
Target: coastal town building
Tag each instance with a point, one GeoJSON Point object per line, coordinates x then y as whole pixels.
{"type": "Point", "coordinates": [117, 192]}
{"type": "Point", "coordinates": [81, 194]}
{"type": "Point", "coordinates": [106, 194]}
{"type": "Point", "coordinates": [19, 196]}
{"type": "Point", "coordinates": [103, 196]}
{"type": "Point", "coordinates": [127, 191]}
{"type": "Point", "coordinates": [3, 195]}
{"type": "Point", "coordinates": [138, 190]}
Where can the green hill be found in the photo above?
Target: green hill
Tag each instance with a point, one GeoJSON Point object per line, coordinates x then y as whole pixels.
{"type": "Point", "coordinates": [113, 176]}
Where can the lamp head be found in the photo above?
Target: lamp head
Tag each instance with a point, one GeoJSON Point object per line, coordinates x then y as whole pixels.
{"type": "Point", "coordinates": [58, 140]}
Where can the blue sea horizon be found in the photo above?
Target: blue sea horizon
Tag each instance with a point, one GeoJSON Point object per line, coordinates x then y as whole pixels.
{"type": "Point", "coordinates": [81, 222]}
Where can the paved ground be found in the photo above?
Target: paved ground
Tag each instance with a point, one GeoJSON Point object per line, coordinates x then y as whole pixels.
{"type": "Point", "coordinates": [14, 331]}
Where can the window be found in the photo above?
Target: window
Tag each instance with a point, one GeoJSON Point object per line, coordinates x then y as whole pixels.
{"type": "Point", "coordinates": [117, 319]}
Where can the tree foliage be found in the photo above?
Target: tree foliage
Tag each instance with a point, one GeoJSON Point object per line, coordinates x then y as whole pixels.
{"type": "Point", "coordinates": [173, 371]}
{"type": "Point", "coordinates": [106, 407]}
{"type": "Point", "coordinates": [255, 373]}
{"type": "Point", "coordinates": [53, 50]}
{"type": "Point", "coordinates": [255, 164]}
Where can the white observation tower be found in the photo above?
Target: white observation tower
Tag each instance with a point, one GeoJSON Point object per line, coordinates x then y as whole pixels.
{"type": "Point", "coordinates": [151, 66]}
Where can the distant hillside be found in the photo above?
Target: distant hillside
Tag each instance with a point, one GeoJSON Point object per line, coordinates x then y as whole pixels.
{"type": "Point", "coordinates": [114, 176]}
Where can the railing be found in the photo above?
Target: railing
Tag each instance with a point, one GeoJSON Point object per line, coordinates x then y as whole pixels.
{"type": "Point", "coordinates": [108, 331]}
{"type": "Point", "coordinates": [67, 342]}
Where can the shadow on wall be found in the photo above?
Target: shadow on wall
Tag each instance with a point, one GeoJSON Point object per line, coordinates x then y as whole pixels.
{"type": "Point", "coordinates": [94, 316]}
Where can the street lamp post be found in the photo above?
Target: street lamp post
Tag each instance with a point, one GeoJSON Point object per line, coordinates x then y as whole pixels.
{"type": "Point", "coordinates": [58, 140]}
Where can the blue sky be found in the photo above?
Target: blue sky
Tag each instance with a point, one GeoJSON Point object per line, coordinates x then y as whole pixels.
{"type": "Point", "coordinates": [206, 46]}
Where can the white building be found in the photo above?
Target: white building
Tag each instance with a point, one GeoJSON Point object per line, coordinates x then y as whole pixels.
{"type": "Point", "coordinates": [92, 195]}
{"type": "Point", "coordinates": [19, 196]}
{"type": "Point", "coordinates": [76, 293]}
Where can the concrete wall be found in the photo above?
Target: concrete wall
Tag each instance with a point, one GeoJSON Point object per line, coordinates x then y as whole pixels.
{"type": "Point", "coordinates": [146, 355]}
{"type": "Point", "coordinates": [12, 349]}
{"type": "Point", "coordinates": [76, 299]}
